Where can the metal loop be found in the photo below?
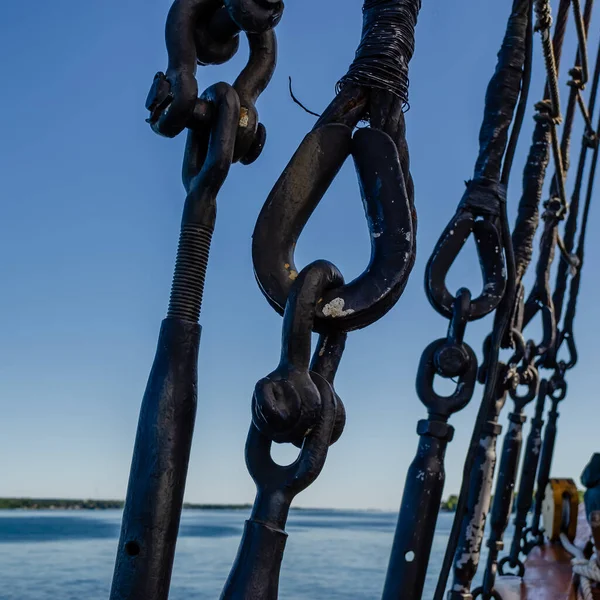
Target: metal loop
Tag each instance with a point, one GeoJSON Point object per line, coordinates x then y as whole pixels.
{"type": "Point", "coordinates": [294, 478]}
{"type": "Point", "coordinates": [486, 596]}
{"type": "Point", "coordinates": [513, 565]}
{"type": "Point", "coordinates": [287, 404]}
{"type": "Point", "coordinates": [296, 195]}
{"type": "Point", "coordinates": [255, 16]}
{"type": "Point", "coordinates": [541, 302]}
{"type": "Point", "coordinates": [557, 389]}
{"type": "Point", "coordinates": [216, 39]}
{"type": "Point", "coordinates": [489, 248]}
{"type": "Point", "coordinates": [444, 406]}
{"type": "Point", "coordinates": [531, 379]}
{"type": "Point", "coordinates": [209, 152]}
{"type": "Point", "coordinates": [521, 347]}
{"type": "Point", "coordinates": [452, 359]}
{"type": "Point", "coordinates": [249, 85]}
{"type": "Point", "coordinates": [203, 31]}
{"type": "Point", "coordinates": [567, 336]}
{"type": "Point", "coordinates": [531, 539]}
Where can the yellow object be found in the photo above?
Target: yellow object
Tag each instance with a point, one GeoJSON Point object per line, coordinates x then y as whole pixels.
{"type": "Point", "coordinates": [560, 509]}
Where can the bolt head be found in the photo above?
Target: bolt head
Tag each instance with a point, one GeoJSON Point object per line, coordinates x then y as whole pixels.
{"type": "Point", "coordinates": [451, 360]}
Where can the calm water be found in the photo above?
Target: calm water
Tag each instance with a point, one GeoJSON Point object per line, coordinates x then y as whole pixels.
{"type": "Point", "coordinates": [330, 555]}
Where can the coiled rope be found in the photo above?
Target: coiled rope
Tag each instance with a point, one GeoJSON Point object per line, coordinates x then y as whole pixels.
{"type": "Point", "coordinates": [587, 570]}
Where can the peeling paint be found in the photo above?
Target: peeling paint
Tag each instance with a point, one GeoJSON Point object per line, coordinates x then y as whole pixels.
{"type": "Point", "coordinates": [475, 530]}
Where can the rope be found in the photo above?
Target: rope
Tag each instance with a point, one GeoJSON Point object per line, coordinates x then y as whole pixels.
{"type": "Point", "coordinates": [535, 170]}
{"type": "Point", "coordinates": [587, 570]}
{"type": "Point", "coordinates": [501, 102]}
{"type": "Point", "coordinates": [571, 225]}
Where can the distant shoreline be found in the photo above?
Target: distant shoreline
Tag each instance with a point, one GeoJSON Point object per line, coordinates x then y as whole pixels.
{"type": "Point", "coordinates": [75, 504]}
{"type": "Point", "coordinates": [448, 505]}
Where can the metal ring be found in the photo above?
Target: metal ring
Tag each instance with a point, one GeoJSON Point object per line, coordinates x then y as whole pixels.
{"type": "Point", "coordinates": [518, 564]}
{"type": "Point", "coordinates": [434, 402]}
{"type": "Point", "coordinates": [493, 594]}
{"type": "Point", "coordinates": [521, 400]}
{"type": "Point", "coordinates": [558, 389]}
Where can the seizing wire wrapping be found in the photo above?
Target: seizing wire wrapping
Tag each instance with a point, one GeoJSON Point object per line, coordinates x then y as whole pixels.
{"type": "Point", "coordinates": [386, 47]}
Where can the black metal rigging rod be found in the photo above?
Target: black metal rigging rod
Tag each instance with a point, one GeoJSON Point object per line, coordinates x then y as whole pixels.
{"type": "Point", "coordinates": [296, 402]}
{"type": "Point", "coordinates": [565, 335]}
{"type": "Point", "coordinates": [501, 100]}
{"type": "Point", "coordinates": [481, 213]}
{"type": "Point", "coordinates": [525, 228]}
{"type": "Point", "coordinates": [523, 238]}
{"type": "Point", "coordinates": [223, 128]}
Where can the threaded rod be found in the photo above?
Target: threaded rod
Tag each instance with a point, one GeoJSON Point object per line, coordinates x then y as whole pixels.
{"type": "Point", "coordinates": [190, 272]}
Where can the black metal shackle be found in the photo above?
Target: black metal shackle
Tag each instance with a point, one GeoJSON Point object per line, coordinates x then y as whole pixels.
{"type": "Point", "coordinates": [526, 374]}
{"type": "Point", "coordinates": [477, 215]}
{"type": "Point", "coordinates": [283, 483]}
{"type": "Point", "coordinates": [295, 196]}
{"type": "Point", "coordinates": [449, 357]}
{"type": "Point", "coordinates": [206, 32]}
{"type": "Point", "coordinates": [287, 403]}
{"type": "Point", "coordinates": [255, 572]}
{"type": "Point", "coordinates": [557, 387]}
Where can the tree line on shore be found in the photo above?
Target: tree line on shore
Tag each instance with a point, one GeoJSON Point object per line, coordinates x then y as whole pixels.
{"type": "Point", "coordinates": [72, 504]}
{"type": "Point", "coordinates": [448, 505]}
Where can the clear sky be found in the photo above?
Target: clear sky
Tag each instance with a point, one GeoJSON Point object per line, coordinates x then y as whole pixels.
{"type": "Point", "coordinates": [91, 205]}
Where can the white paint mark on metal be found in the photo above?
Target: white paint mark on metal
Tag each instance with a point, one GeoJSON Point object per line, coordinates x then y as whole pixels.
{"type": "Point", "coordinates": [335, 308]}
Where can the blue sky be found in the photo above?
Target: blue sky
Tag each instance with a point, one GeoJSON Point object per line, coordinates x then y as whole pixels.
{"type": "Point", "coordinates": [91, 204]}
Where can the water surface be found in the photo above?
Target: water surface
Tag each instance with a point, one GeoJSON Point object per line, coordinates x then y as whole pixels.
{"type": "Point", "coordinates": [330, 555]}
